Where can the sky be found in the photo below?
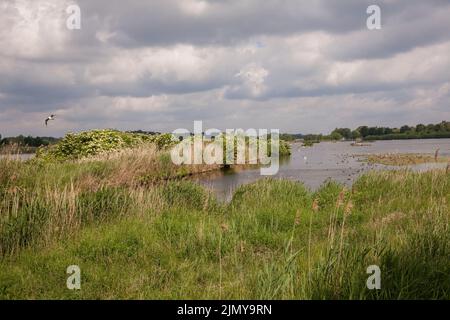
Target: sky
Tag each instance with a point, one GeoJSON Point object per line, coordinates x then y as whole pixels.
{"type": "Point", "coordinates": [159, 65]}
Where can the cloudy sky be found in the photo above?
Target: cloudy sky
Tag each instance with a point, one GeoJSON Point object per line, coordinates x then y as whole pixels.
{"type": "Point", "coordinates": [299, 66]}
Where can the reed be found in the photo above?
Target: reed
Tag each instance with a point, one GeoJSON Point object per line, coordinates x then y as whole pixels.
{"type": "Point", "coordinates": [173, 239]}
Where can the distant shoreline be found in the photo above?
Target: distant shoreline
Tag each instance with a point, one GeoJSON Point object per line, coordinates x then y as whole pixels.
{"type": "Point", "coordinates": [444, 135]}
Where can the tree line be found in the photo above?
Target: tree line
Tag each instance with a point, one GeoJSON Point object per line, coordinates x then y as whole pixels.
{"type": "Point", "coordinates": [28, 141]}
{"type": "Point", "coordinates": [420, 131]}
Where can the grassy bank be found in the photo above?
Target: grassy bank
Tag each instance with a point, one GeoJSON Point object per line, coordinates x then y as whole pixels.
{"type": "Point", "coordinates": [402, 159]}
{"type": "Point", "coordinates": [172, 239]}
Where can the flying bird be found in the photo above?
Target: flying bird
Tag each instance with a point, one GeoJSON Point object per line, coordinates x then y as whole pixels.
{"type": "Point", "coordinates": [52, 117]}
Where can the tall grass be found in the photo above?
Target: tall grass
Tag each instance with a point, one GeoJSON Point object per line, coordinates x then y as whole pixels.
{"type": "Point", "coordinates": [173, 239]}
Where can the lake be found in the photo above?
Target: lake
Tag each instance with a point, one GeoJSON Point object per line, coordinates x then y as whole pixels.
{"type": "Point", "coordinates": [338, 161]}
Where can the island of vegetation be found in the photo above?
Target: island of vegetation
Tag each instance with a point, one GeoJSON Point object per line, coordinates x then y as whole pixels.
{"type": "Point", "coordinates": [404, 159]}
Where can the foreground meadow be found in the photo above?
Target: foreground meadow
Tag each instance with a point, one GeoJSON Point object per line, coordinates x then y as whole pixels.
{"type": "Point", "coordinates": [136, 232]}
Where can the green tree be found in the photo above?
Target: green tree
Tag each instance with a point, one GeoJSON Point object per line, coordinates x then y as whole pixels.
{"type": "Point", "coordinates": [364, 131]}
{"type": "Point", "coordinates": [344, 132]}
{"type": "Point", "coordinates": [430, 127]}
{"type": "Point", "coordinates": [380, 131]}
{"type": "Point", "coordinates": [420, 128]}
{"type": "Point", "coordinates": [335, 136]}
{"type": "Point", "coordinates": [447, 126]}
{"type": "Point", "coordinates": [356, 134]}
{"type": "Point", "coordinates": [405, 129]}
{"type": "Point", "coordinates": [388, 131]}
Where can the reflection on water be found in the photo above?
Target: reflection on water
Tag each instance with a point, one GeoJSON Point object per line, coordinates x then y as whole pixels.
{"type": "Point", "coordinates": [338, 161]}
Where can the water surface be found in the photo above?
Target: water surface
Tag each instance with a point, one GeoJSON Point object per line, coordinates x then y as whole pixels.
{"type": "Point", "coordinates": [338, 161]}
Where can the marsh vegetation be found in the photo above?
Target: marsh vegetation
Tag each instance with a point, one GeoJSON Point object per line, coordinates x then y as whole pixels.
{"type": "Point", "coordinates": [136, 234]}
{"type": "Point", "coordinates": [403, 159]}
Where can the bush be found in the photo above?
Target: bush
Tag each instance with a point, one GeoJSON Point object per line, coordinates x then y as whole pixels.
{"type": "Point", "coordinates": [285, 148]}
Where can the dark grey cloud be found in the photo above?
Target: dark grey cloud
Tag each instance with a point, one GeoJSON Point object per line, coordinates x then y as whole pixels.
{"type": "Point", "coordinates": [418, 24]}
{"type": "Point", "coordinates": [160, 64]}
{"type": "Point", "coordinates": [156, 23]}
{"type": "Point", "coordinates": [409, 23]}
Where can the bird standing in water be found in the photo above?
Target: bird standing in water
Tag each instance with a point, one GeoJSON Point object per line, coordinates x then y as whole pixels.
{"type": "Point", "coordinates": [436, 155]}
{"type": "Point", "coordinates": [52, 117]}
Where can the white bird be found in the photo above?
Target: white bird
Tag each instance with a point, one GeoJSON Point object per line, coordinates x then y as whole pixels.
{"type": "Point", "coordinates": [305, 158]}
{"type": "Point", "coordinates": [52, 117]}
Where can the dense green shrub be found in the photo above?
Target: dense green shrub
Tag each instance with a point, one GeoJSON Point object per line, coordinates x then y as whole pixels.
{"type": "Point", "coordinates": [285, 148]}
{"type": "Point", "coordinates": [79, 145]}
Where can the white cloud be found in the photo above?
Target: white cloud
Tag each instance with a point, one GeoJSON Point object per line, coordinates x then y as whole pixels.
{"type": "Point", "coordinates": [307, 66]}
{"type": "Point", "coordinates": [253, 77]}
{"type": "Point", "coordinates": [33, 29]}
{"type": "Point", "coordinates": [194, 7]}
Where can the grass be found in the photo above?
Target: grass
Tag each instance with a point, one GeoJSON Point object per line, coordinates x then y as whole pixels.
{"type": "Point", "coordinates": [402, 159]}
{"type": "Point", "coordinates": [15, 149]}
{"type": "Point", "coordinates": [169, 239]}
{"type": "Point", "coordinates": [308, 143]}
